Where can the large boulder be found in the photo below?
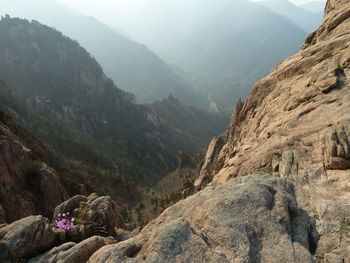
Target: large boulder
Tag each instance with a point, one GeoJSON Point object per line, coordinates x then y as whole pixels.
{"type": "Point", "coordinates": [26, 237]}
{"type": "Point", "coordinates": [95, 215]}
{"type": "Point", "coordinates": [71, 252]}
{"type": "Point", "coordinates": [250, 219]}
{"type": "Point", "coordinates": [35, 236]}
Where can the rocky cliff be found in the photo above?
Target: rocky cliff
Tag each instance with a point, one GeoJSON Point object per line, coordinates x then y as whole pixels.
{"type": "Point", "coordinates": [296, 124]}
{"type": "Point", "coordinates": [27, 177]}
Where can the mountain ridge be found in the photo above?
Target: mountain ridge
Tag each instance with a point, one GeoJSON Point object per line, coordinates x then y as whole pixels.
{"type": "Point", "coordinates": [299, 131]}
{"type": "Point", "coordinates": [70, 99]}
{"type": "Point", "coordinates": [303, 18]}
{"type": "Point", "coordinates": [131, 65]}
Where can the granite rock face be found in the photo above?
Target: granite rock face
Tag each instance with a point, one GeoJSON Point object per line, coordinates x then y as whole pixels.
{"type": "Point", "coordinates": [249, 219]}
{"type": "Point", "coordinates": [296, 124]}
{"type": "Point", "coordinates": [211, 163]}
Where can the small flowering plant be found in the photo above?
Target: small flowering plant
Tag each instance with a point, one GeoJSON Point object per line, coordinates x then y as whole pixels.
{"type": "Point", "coordinates": [64, 221]}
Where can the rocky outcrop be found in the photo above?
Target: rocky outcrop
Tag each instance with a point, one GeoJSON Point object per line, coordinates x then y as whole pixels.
{"type": "Point", "coordinates": [95, 216]}
{"type": "Point", "coordinates": [35, 238]}
{"type": "Point", "coordinates": [250, 219]}
{"type": "Point", "coordinates": [211, 162]}
{"type": "Point", "coordinates": [27, 182]}
{"type": "Point", "coordinates": [296, 124]}
{"type": "Point", "coordinates": [337, 149]}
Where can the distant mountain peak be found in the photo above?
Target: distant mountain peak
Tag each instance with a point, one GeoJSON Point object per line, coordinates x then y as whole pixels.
{"type": "Point", "coordinates": [306, 20]}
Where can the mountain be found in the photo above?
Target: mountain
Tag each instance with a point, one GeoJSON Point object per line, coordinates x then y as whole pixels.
{"type": "Point", "coordinates": [131, 65]}
{"type": "Point", "coordinates": [315, 7]}
{"type": "Point", "coordinates": [223, 47]}
{"type": "Point", "coordinates": [238, 46]}
{"type": "Point", "coordinates": [191, 121]}
{"type": "Point", "coordinates": [31, 173]}
{"type": "Point", "coordinates": [295, 124]}
{"type": "Point", "coordinates": [76, 109]}
{"type": "Point", "coordinates": [279, 181]}
{"type": "Point", "coordinates": [307, 20]}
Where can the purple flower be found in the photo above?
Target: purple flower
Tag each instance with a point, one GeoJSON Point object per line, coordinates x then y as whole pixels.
{"type": "Point", "coordinates": [64, 223]}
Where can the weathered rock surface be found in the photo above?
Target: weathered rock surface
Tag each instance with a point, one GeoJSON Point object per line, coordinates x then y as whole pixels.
{"type": "Point", "coordinates": [296, 124]}
{"type": "Point", "coordinates": [250, 219]}
{"type": "Point", "coordinates": [27, 182]}
{"type": "Point", "coordinates": [35, 236]}
{"type": "Point", "coordinates": [71, 252]}
{"type": "Point", "coordinates": [97, 215]}
{"type": "Point", "coordinates": [25, 238]}
{"type": "Point", "coordinates": [211, 163]}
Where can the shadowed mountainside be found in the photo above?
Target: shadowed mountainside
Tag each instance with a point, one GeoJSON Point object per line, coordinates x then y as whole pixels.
{"type": "Point", "coordinates": [132, 66]}
{"type": "Point", "coordinates": [70, 104]}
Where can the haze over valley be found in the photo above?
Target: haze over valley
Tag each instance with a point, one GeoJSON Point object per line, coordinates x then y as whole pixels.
{"type": "Point", "coordinates": [174, 131]}
{"type": "Point", "coordinates": [130, 95]}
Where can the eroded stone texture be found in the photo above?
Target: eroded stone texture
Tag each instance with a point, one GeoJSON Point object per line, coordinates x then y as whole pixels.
{"type": "Point", "coordinates": [25, 238]}
{"type": "Point", "coordinates": [35, 238]}
{"type": "Point", "coordinates": [249, 219]}
{"type": "Point", "coordinates": [296, 124]}
{"type": "Point", "coordinates": [71, 252]}
{"type": "Point", "coordinates": [97, 215]}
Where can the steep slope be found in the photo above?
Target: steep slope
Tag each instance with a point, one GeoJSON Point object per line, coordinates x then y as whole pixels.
{"type": "Point", "coordinates": [306, 20]}
{"type": "Point", "coordinates": [238, 46]}
{"type": "Point", "coordinates": [296, 124]}
{"type": "Point", "coordinates": [60, 82]}
{"type": "Point", "coordinates": [131, 65]}
{"type": "Point", "coordinates": [192, 122]}
{"type": "Point", "coordinates": [27, 176]}
{"type": "Point", "coordinates": [75, 108]}
{"type": "Point", "coordinates": [36, 179]}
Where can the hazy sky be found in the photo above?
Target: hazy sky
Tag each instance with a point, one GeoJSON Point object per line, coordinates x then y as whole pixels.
{"type": "Point", "coordinates": [89, 5]}
{"type": "Point", "coordinates": [114, 12]}
{"type": "Point", "coordinates": [299, 2]}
